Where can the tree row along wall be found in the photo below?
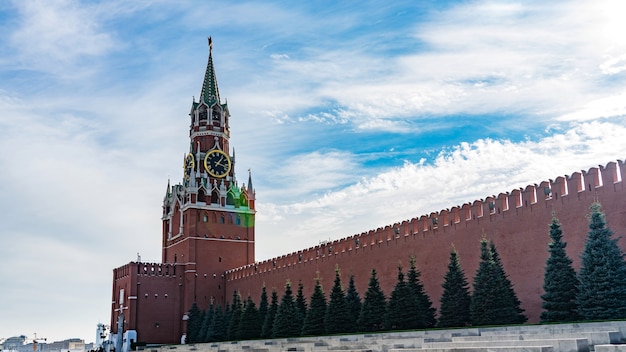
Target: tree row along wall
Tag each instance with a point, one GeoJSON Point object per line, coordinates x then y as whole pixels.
{"type": "Point", "coordinates": [517, 222]}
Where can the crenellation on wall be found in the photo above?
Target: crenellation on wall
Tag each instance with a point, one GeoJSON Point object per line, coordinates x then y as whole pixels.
{"type": "Point", "coordinates": [609, 173]}
{"type": "Point", "coordinates": [559, 187]}
{"type": "Point", "coordinates": [466, 212]}
{"type": "Point", "coordinates": [544, 193]}
{"type": "Point", "coordinates": [515, 198]}
{"type": "Point", "coordinates": [593, 178]}
{"type": "Point", "coordinates": [575, 183]}
{"type": "Point", "coordinates": [477, 209]}
{"type": "Point", "coordinates": [155, 269]}
{"type": "Point", "coordinates": [502, 202]}
{"type": "Point", "coordinates": [529, 196]}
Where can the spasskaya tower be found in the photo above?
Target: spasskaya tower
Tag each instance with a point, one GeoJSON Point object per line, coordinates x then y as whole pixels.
{"type": "Point", "coordinates": [208, 228]}
{"type": "Point", "coordinates": [208, 219]}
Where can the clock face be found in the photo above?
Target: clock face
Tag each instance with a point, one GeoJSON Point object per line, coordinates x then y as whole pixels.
{"type": "Point", "coordinates": [190, 164]}
{"type": "Point", "coordinates": [217, 163]}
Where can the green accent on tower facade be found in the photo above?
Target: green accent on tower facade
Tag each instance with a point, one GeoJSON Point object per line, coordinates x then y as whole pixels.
{"type": "Point", "coordinates": [210, 93]}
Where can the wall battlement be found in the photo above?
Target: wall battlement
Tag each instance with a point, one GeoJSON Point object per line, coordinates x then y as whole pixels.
{"type": "Point", "coordinates": [579, 186]}
{"type": "Point", "coordinates": [144, 269]}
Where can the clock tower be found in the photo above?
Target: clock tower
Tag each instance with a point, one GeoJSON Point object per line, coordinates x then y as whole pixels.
{"type": "Point", "coordinates": [208, 218]}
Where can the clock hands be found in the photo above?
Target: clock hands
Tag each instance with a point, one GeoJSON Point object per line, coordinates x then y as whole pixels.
{"type": "Point", "coordinates": [217, 163]}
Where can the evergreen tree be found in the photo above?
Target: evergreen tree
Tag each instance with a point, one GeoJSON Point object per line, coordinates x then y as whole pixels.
{"type": "Point", "coordinates": [268, 322]}
{"type": "Point", "coordinates": [493, 302]}
{"type": "Point", "coordinates": [314, 319]}
{"type": "Point", "coordinates": [455, 300]}
{"type": "Point", "coordinates": [559, 282]}
{"type": "Point", "coordinates": [263, 305]}
{"type": "Point", "coordinates": [426, 310]}
{"type": "Point", "coordinates": [353, 301]}
{"type": "Point", "coordinates": [217, 329]}
{"type": "Point", "coordinates": [301, 305]}
{"type": "Point", "coordinates": [511, 312]}
{"type": "Point", "coordinates": [206, 323]}
{"type": "Point", "coordinates": [286, 315]}
{"type": "Point", "coordinates": [194, 323]}
{"type": "Point", "coordinates": [228, 314]}
{"type": "Point", "coordinates": [236, 309]}
{"type": "Point", "coordinates": [481, 312]}
{"type": "Point", "coordinates": [602, 287]}
{"type": "Point", "coordinates": [337, 320]}
{"type": "Point", "coordinates": [403, 306]}
{"type": "Point", "coordinates": [250, 322]}
{"type": "Point", "coordinates": [372, 314]}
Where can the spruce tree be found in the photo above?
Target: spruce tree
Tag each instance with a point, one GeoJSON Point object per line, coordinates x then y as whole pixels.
{"type": "Point", "coordinates": [218, 328]}
{"type": "Point", "coordinates": [250, 322]}
{"type": "Point", "coordinates": [194, 323]}
{"type": "Point", "coordinates": [493, 301]}
{"type": "Point", "coordinates": [560, 282]}
{"type": "Point", "coordinates": [263, 305]}
{"type": "Point", "coordinates": [286, 315]}
{"type": "Point", "coordinates": [426, 317]}
{"type": "Point", "coordinates": [301, 305]}
{"type": "Point", "coordinates": [455, 300]}
{"type": "Point", "coordinates": [314, 319]}
{"type": "Point", "coordinates": [206, 323]}
{"type": "Point", "coordinates": [236, 309]}
{"type": "Point", "coordinates": [403, 306]}
{"type": "Point", "coordinates": [511, 311]}
{"type": "Point", "coordinates": [483, 294]}
{"type": "Point", "coordinates": [372, 316]}
{"type": "Point", "coordinates": [268, 322]}
{"type": "Point", "coordinates": [337, 320]}
{"type": "Point", "coordinates": [353, 301]}
{"type": "Point", "coordinates": [602, 277]}
{"type": "Point", "coordinates": [228, 314]}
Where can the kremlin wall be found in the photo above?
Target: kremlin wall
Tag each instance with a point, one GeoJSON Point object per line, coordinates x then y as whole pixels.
{"type": "Point", "coordinates": [516, 221]}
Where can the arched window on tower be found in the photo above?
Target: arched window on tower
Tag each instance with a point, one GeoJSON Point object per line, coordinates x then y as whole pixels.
{"type": "Point", "coordinates": [201, 196]}
{"type": "Point", "coordinates": [203, 113]}
{"type": "Point", "coordinates": [230, 199]}
{"type": "Point", "coordinates": [215, 199]}
{"type": "Point", "coordinates": [216, 116]}
{"type": "Point", "coordinates": [243, 201]}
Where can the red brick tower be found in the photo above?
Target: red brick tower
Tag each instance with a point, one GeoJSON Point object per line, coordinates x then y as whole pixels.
{"type": "Point", "coordinates": [208, 219]}
{"type": "Point", "coordinates": [208, 228]}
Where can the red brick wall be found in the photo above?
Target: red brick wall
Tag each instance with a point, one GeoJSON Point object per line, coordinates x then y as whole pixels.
{"type": "Point", "coordinates": [517, 222]}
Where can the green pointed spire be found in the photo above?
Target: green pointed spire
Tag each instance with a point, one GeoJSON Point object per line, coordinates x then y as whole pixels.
{"type": "Point", "coordinates": [210, 93]}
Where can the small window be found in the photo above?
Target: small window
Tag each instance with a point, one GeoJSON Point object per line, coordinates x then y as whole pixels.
{"type": "Point", "coordinates": [219, 259]}
{"type": "Point", "coordinates": [238, 220]}
{"type": "Point", "coordinates": [222, 219]}
{"type": "Point", "coordinates": [205, 218]}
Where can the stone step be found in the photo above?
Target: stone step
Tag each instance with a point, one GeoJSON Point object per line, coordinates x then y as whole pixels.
{"type": "Point", "coordinates": [490, 349]}
{"type": "Point", "coordinates": [594, 337]}
{"type": "Point", "coordinates": [545, 330]}
{"type": "Point", "coordinates": [610, 348]}
{"type": "Point", "coordinates": [559, 345]}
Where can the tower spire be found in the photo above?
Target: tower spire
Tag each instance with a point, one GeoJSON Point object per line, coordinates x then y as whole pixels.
{"type": "Point", "coordinates": [250, 189]}
{"type": "Point", "coordinates": [210, 93]}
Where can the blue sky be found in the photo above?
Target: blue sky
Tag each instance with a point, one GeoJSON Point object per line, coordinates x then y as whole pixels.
{"type": "Point", "coordinates": [351, 117]}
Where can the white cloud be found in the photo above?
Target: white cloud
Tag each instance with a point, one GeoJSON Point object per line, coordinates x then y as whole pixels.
{"type": "Point", "coordinates": [481, 57]}
{"type": "Point", "coordinates": [467, 172]}
{"type": "Point", "coordinates": [57, 33]}
{"type": "Point", "coordinates": [609, 106]}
